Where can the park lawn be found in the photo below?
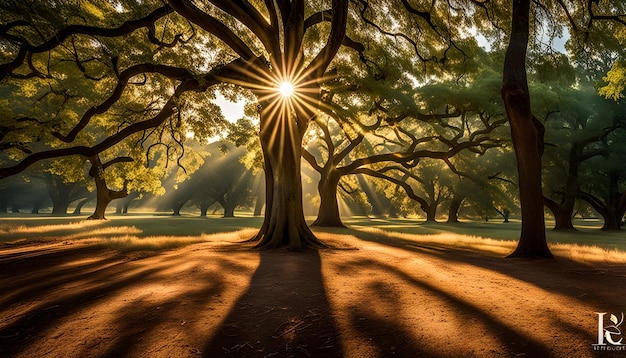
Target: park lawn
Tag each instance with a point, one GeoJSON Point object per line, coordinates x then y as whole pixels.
{"type": "Point", "coordinates": [161, 230]}
{"type": "Point", "coordinates": [162, 286]}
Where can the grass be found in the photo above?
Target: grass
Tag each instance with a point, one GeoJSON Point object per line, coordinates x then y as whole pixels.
{"type": "Point", "coordinates": [158, 232]}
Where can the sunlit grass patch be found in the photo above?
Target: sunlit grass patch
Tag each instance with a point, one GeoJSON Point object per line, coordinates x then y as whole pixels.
{"type": "Point", "coordinates": [105, 231]}
{"type": "Point", "coordinates": [129, 243]}
{"type": "Point", "coordinates": [44, 229]}
{"type": "Point", "coordinates": [571, 251]}
{"type": "Point", "coordinates": [588, 253]}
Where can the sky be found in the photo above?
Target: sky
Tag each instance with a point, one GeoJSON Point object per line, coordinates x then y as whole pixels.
{"type": "Point", "coordinates": [232, 110]}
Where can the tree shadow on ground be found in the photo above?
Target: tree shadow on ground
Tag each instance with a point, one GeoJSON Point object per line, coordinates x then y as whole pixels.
{"type": "Point", "coordinates": [385, 331]}
{"type": "Point", "coordinates": [285, 312]}
{"type": "Point", "coordinates": [556, 274]}
{"type": "Point", "coordinates": [79, 287]}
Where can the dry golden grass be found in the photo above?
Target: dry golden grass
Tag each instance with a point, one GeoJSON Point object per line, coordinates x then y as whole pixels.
{"type": "Point", "coordinates": [574, 252]}
{"type": "Point", "coordinates": [13, 229]}
{"type": "Point", "coordinates": [150, 233]}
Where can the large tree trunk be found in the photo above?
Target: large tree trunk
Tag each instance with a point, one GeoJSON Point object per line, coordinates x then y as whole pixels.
{"type": "Point", "coordinates": [328, 214]}
{"type": "Point", "coordinates": [229, 209]}
{"type": "Point", "coordinates": [453, 210]}
{"type": "Point", "coordinates": [431, 213]}
{"type": "Point", "coordinates": [102, 202]}
{"type": "Point", "coordinates": [527, 136]}
{"type": "Point", "coordinates": [281, 143]}
{"type": "Point", "coordinates": [60, 205]}
{"type": "Point", "coordinates": [614, 214]}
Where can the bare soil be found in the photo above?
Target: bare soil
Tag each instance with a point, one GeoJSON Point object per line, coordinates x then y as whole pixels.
{"type": "Point", "coordinates": [376, 296]}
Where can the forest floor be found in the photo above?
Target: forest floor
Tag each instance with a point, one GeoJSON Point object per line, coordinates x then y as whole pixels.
{"type": "Point", "coordinates": [376, 294]}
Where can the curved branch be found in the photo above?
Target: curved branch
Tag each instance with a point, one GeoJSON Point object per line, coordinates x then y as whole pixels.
{"type": "Point", "coordinates": [180, 74]}
{"type": "Point", "coordinates": [310, 158]}
{"type": "Point", "coordinates": [212, 78]}
{"type": "Point", "coordinates": [407, 188]}
{"type": "Point", "coordinates": [213, 26]}
{"type": "Point", "coordinates": [58, 38]}
{"type": "Point", "coordinates": [117, 160]}
{"type": "Point", "coordinates": [248, 15]}
{"type": "Point", "coordinates": [335, 39]}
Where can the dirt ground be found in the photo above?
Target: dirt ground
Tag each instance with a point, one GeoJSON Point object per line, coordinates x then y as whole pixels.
{"type": "Point", "coordinates": [377, 296]}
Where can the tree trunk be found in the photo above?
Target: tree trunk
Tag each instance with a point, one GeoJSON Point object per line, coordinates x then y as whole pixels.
{"type": "Point", "coordinates": [102, 201]}
{"type": "Point", "coordinates": [506, 214]}
{"type": "Point", "coordinates": [611, 221]}
{"type": "Point", "coordinates": [281, 142]}
{"type": "Point", "coordinates": [104, 195]}
{"type": "Point", "coordinates": [80, 205]}
{"type": "Point", "coordinates": [431, 213]}
{"type": "Point", "coordinates": [203, 210]}
{"type": "Point", "coordinates": [59, 206]}
{"type": "Point", "coordinates": [562, 215]}
{"type": "Point", "coordinates": [613, 217]}
{"type": "Point", "coordinates": [453, 210]}
{"type": "Point", "coordinates": [229, 209]}
{"type": "Point", "coordinates": [328, 214]}
{"type": "Point", "coordinates": [260, 198]}
{"type": "Point", "coordinates": [527, 136]}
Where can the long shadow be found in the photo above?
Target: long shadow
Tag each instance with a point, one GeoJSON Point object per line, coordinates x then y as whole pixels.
{"type": "Point", "coordinates": [143, 320]}
{"type": "Point", "coordinates": [53, 303]}
{"type": "Point", "coordinates": [391, 340]}
{"type": "Point", "coordinates": [286, 311]}
{"type": "Point", "coordinates": [556, 274]}
{"type": "Point", "coordinates": [46, 273]}
{"type": "Point", "coordinates": [16, 336]}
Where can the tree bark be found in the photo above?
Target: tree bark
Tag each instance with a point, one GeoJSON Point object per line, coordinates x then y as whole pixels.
{"type": "Point", "coordinates": [431, 213]}
{"type": "Point", "coordinates": [613, 218]}
{"type": "Point", "coordinates": [281, 142]}
{"type": "Point", "coordinates": [229, 209]}
{"type": "Point", "coordinates": [527, 136]}
{"type": "Point", "coordinates": [328, 214]}
{"type": "Point", "coordinates": [562, 215]}
{"type": "Point", "coordinates": [60, 205]}
{"type": "Point", "coordinates": [453, 210]}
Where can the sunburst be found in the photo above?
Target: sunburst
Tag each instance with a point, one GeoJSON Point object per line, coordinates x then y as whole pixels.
{"type": "Point", "coordinates": [286, 89]}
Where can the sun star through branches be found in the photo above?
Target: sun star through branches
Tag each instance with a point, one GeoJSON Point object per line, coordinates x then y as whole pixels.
{"type": "Point", "coordinates": [286, 89]}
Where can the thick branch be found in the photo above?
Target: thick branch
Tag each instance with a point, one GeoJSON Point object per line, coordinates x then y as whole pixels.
{"type": "Point", "coordinates": [212, 78]}
{"type": "Point", "coordinates": [407, 188]}
{"type": "Point", "coordinates": [213, 26]}
{"type": "Point", "coordinates": [179, 74]}
{"type": "Point", "coordinates": [335, 39]}
{"type": "Point", "coordinates": [58, 38]}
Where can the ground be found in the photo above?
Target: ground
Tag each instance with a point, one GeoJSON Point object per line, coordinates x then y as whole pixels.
{"type": "Point", "coordinates": [376, 294]}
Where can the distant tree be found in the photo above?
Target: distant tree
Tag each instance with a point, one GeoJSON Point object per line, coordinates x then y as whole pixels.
{"type": "Point", "coordinates": [605, 186]}
{"type": "Point", "coordinates": [104, 195]}
{"type": "Point", "coordinates": [221, 179]}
